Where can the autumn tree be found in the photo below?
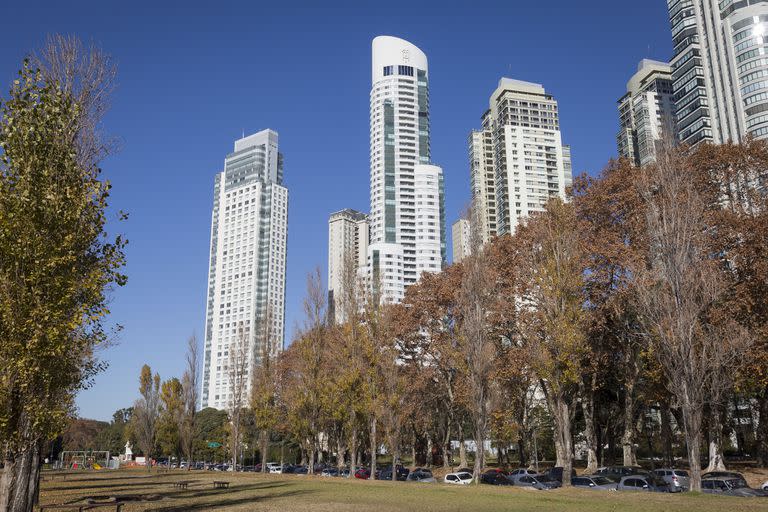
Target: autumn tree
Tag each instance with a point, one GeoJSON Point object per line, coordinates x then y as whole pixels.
{"type": "Point", "coordinates": [238, 365]}
{"type": "Point", "coordinates": [552, 316]}
{"type": "Point", "coordinates": [146, 413]}
{"type": "Point", "coordinates": [171, 417]}
{"type": "Point", "coordinates": [264, 389]}
{"type": "Point", "coordinates": [56, 262]}
{"type": "Point", "coordinates": [681, 293]}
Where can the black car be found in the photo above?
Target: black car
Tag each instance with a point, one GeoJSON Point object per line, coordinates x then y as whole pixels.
{"type": "Point", "coordinates": [556, 474]}
{"type": "Point", "coordinates": [494, 477]}
{"type": "Point", "coordinates": [385, 473]}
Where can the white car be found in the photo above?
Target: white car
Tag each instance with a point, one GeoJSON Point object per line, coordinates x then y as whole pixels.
{"type": "Point", "coordinates": [275, 470]}
{"type": "Point", "coordinates": [765, 486]}
{"type": "Point", "coordinates": [458, 478]}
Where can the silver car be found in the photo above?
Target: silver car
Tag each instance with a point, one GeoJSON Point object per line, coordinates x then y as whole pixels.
{"type": "Point", "coordinates": [515, 475]}
{"type": "Point", "coordinates": [729, 487]}
{"type": "Point", "coordinates": [677, 479]}
{"type": "Point", "coordinates": [595, 482]}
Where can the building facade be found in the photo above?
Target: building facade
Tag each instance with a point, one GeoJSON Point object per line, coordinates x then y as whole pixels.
{"type": "Point", "coordinates": [521, 130]}
{"type": "Point", "coordinates": [720, 69]}
{"type": "Point", "coordinates": [460, 235]}
{"type": "Point", "coordinates": [347, 243]}
{"type": "Point", "coordinates": [482, 175]}
{"type": "Point", "coordinates": [406, 190]}
{"type": "Point", "coordinates": [646, 112]}
{"type": "Point", "coordinates": [246, 277]}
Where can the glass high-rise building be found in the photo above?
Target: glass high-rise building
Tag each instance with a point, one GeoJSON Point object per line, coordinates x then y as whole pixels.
{"type": "Point", "coordinates": [246, 277]}
{"type": "Point", "coordinates": [720, 69]}
{"type": "Point", "coordinates": [407, 218]}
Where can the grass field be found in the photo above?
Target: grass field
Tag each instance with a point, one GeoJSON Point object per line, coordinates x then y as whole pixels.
{"type": "Point", "coordinates": [249, 491]}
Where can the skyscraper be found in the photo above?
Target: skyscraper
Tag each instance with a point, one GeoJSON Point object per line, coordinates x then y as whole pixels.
{"type": "Point", "coordinates": [460, 234]}
{"type": "Point", "coordinates": [246, 277]}
{"type": "Point", "coordinates": [347, 238]}
{"type": "Point", "coordinates": [719, 69]}
{"type": "Point", "coordinates": [407, 225]}
{"type": "Point", "coordinates": [646, 112]}
{"type": "Point", "coordinates": [520, 139]}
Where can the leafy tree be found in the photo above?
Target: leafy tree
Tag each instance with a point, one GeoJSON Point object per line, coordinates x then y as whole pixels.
{"type": "Point", "coordinates": [56, 263]}
{"type": "Point", "coordinates": [146, 413]}
{"type": "Point", "coordinates": [171, 417]}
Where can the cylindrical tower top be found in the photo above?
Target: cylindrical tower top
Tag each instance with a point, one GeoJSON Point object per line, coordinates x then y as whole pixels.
{"type": "Point", "coordinates": [393, 51]}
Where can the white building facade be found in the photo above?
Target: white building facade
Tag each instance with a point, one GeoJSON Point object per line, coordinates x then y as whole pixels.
{"type": "Point", "coordinates": [348, 236]}
{"type": "Point", "coordinates": [460, 235]}
{"type": "Point", "coordinates": [720, 69]}
{"type": "Point", "coordinates": [407, 192]}
{"type": "Point", "coordinates": [246, 278]}
{"type": "Point", "coordinates": [521, 129]}
{"type": "Point", "coordinates": [646, 112]}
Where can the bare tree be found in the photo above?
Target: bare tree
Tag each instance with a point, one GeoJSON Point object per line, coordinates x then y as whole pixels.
{"type": "Point", "coordinates": [190, 382]}
{"type": "Point", "coordinates": [478, 348]}
{"type": "Point", "coordinates": [237, 373]}
{"type": "Point", "coordinates": [679, 294]}
{"type": "Point", "coordinates": [146, 413]}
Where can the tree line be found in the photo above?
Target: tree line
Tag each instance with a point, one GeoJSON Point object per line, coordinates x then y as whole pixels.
{"type": "Point", "coordinates": [631, 317]}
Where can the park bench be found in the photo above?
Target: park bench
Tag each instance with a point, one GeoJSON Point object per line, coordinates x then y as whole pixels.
{"type": "Point", "coordinates": [83, 507]}
{"type": "Point", "coordinates": [218, 484]}
{"type": "Point", "coordinates": [182, 484]}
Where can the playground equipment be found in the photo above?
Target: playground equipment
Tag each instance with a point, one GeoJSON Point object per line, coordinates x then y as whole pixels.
{"type": "Point", "coordinates": [91, 459]}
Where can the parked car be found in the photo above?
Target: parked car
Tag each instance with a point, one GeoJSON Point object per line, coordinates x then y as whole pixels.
{"type": "Point", "coordinates": [276, 470]}
{"type": "Point", "coordinates": [495, 478]}
{"type": "Point", "coordinates": [725, 486]}
{"type": "Point", "coordinates": [300, 470]}
{"type": "Point", "coordinates": [725, 474]}
{"type": "Point", "coordinates": [344, 473]}
{"type": "Point", "coordinates": [421, 475]}
{"type": "Point", "coordinates": [556, 473]}
{"type": "Point", "coordinates": [288, 469]}
{"type": "Point", "coordinates": [765, 486]}
{"type": "Point", "coordinates": [363, 473]}
{"type": "Point", "coordinates": [462, 478]}
{"type": "Point", "coordinates": [616, 473]}
{"type": "Point", "coordinates": [595, 482]}
{"type": "Point", "coordinates": [385, 473]}
{"type": "Point", "coordinates": [645, 483]}
{"type": "Point", "coordinates": [676, 478]}
{"type": "Point", "coordinates": [329, 472]}
{"type": "Point", "coordinates": [540, 482]}
{"type": "Point", "coordinates": [518, 473]}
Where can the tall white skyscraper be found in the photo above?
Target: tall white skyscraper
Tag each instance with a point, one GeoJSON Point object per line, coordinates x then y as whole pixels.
{"type": "Point", "coordinates": [407, 220]}
{"type": "Point", "coordinates": [719, 69]}
{"type": "Point", "coordinates": [460, 234]}
{"type": "Point", "coordinates": [646, 112]}
{"type": "Point", "coordinates": [347, 238]}
{"type": "Point", "coordinates": [521, 141]}
{"type": "Point", "coordinates": [246, 277]}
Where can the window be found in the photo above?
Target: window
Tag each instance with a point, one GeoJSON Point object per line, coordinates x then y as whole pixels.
{"type": "Point", "coordinates": [405, 70]}
{"type": "Point", "coordinates": [387, 70]}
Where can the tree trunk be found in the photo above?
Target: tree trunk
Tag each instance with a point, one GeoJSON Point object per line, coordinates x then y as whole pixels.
{"type": "Point", "coordinates": [430, 456]}
{"type": "Point", "coordinates": [311, 466]}
{"type": "Point", "coordinates": [463, 450]}
{"type": "Point", "coordinates": [447, 448]}
{"type": "Point", "coordinates": [588, 408]}
{"type": "Point", "coordinates": [666, 434]}
{"type": "Point", "coordinates": [561, 415]}
{"type": "Point", "coordinates": [395, 462]}
{"type": "Point", "coordinates": [716, 459]}
{"type": "Point", "coordinates": [762, 429]}
{"type": "Point", "coordinates": [373, 447]}
{"type": "Point", "coordinates": [282, 453]}
{"type": "Point", "coordinates": [19, 485]}
{"type": "Point", "coordinates": [264, 450]}
{"type": "Point", "coordinates": [353, 453]}
{"type": "Point", "coordinates": [692, 419]}
{"type": "Point", "coordinates": [628, 438]}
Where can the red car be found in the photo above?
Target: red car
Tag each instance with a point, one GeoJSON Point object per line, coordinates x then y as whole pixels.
{"type": "Point", "coordinates": [363, 473]}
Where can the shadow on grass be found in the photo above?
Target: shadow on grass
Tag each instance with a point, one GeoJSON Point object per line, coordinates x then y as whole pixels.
{"type": "Point", "coordinates": [231, 502]}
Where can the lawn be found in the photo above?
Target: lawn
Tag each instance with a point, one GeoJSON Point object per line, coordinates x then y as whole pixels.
{"type": "Point", "coordinates": [249, 491]}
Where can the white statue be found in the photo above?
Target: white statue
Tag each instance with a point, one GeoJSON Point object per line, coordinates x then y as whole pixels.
{"type": "Point", "coordinates": [128, 452]}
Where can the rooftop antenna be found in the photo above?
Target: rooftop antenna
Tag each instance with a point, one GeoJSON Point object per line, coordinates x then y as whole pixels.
{"type": "Point", "coordinates": [243, 133]}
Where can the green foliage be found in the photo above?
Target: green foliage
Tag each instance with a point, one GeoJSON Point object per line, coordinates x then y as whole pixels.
{"type": "Point", "coordinates": [55, 261]}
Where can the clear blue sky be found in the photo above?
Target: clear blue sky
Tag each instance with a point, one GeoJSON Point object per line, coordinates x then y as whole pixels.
{"type": "Point", "coordinates": [194, 75]}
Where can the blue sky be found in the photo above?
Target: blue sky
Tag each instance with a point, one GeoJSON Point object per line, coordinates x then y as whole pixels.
{"type": "Point", "coordinates": [193, 76]}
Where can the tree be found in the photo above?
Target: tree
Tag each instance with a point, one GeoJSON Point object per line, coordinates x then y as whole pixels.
{"type": "Point", "coordinates": [478, 349]}
{"type": "Point", "coordinates": [171, 417]}
{"type": "Point", "coordinates": [238, 365]}
{"type": "Point", "coordinates": [681, 293]}
{"type": "Point", "coordinates": [264, 390]}
{"type": "Point", "coordinates": [190, 382]}
{"type": "Point", "coordinates": [552, 315]}
{"type": "Point", "coordinates": [56, 263]}
{"type": "Point", "coordinates": [146, 413]}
